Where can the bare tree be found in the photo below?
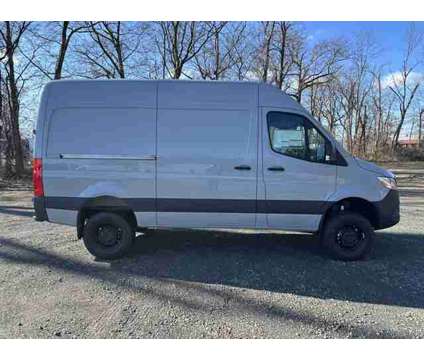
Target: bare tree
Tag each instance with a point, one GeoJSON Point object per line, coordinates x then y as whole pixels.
{"type": "Point", "coordinates": [355, 86]}
{"type": "Point", "coordinates": [382, 104]}
{"type": "Point", "coordinates": [420, 126]}
{"type": "Point", "coordinates": [11, 34]}
{"type": "Point", "coordinates": [5, 133]}
{"type": "Point", "coordinates": [243, 55]}
{"type": "Point", "coordinates": [180, 42]}
{"type": "Point", "coordinates": [109, 48]}
{"type": "Point", "coordinates": [50, 45]}
{"type": "Point", "coordinates": [67, 32]}
{"type": "Point", "coordinates": [325, 105]}
{"type": "Point", "coordinates": [404, 87]}
{"type": "Point", "coordinates": [316, 66]}
{"type": "Point", "coordinates": [264, 50]}
{"type": "Point", "coordinates": [217, 56]}
{"type": "Point", "coordinates": [212, 59]}
{"type": "Point", "coordinates": [107, 36]}
{"type": "Point", "coordinates": [281, 47]}
{"type": "Point", "coordinates": [4, 140]}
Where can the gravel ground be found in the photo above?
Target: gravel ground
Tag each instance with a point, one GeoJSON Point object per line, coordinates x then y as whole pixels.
{"type": "Point", "coordinates": [196, 284]}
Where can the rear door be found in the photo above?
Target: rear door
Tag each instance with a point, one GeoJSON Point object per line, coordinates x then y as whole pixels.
{"type": "Point", "coordinates": [206, 167]}
{"type": "Point", "coordinates": [297, 173]}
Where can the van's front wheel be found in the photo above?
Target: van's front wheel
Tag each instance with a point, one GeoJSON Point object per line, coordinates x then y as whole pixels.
{"type": "Point", "coordinates": [108, 236]}
{"type": "Point", "coordinates": [348, 236]}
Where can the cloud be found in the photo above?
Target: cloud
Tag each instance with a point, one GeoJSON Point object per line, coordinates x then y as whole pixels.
{"type": "Point", "coordinates": [395, 78]}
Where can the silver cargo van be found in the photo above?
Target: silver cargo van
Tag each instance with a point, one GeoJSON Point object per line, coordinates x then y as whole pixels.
{"type": "Point", "coordinates": [116, 156]}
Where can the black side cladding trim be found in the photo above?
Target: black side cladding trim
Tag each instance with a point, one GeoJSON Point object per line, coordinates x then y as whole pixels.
{"type": "Point", "coordinates": [40, 208]}
{"type": "Point", "coordinates": [206, 205]}
{"type": "Point", "coordinates": [305, 207]}
{"type": "Point", "coordinates": [76, 203]}
{"type": "Point", "coordinates": [203, 205]}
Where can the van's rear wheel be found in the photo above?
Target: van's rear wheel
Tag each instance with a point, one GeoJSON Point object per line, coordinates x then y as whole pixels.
{"type": "Point", "coordinates": [108, 236]}
{"type": "Point", "coordinates": [348, 236]}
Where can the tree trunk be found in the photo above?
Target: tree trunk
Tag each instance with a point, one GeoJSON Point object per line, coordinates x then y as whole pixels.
{"type": "Point", "coordinates": [267, 49]}
{"type": "Point", "coordinates": [283, 28]}
{"type": "Point", "coordinates": [363, 132]}
{"type": "Point", "coordinates": [118, 47]}
{"type": "Point", "coordinates": [299, 90]}
{"type": "Point", "coordinates": [217, 71]}
{"type": "Point", "coordinates": [398, 129]}
{"type": "Point", "coordinates": [177, 72]}
{"type": "Point", "coordinates": [14, 103]}
{"type": "Point", "coordinates": [62, 52]}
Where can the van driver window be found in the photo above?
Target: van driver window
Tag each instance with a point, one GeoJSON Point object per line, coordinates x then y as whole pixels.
{"type": "Point", "coordinates": [295, 136]}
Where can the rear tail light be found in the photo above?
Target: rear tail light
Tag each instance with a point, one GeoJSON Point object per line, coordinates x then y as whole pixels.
{"type": "Point", "coordinates": [37, 177]}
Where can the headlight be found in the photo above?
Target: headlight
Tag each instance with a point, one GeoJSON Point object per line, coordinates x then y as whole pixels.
{"type": "Point", "coordinates": [388, 182]}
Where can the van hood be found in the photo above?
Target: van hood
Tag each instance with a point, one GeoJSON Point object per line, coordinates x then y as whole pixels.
{"type": "Point", "coordinates": [369, 166]}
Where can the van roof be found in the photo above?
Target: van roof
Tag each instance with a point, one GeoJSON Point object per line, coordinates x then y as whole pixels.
{"type": "Point", "coordinates": [160, 80]}
{"type": "Point", "coordinates": [175, 93]}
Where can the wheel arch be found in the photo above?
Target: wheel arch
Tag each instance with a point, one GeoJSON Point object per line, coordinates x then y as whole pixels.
{"type": "Point", "coordinates": [104, 203]}
{"type": "Point", "coordinates": [354, 204]}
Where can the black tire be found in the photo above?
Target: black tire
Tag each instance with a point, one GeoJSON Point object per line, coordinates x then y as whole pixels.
{"type": "Point", "coordinates": [348, 236]}
{"type": "Point", "coordinates": [108, 236]}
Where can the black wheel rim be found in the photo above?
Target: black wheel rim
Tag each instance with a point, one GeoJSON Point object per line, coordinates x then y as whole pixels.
{"type": "Point", "coordinates": [350, 237]}
{"type": "Point", "coordinates": [108, 235]}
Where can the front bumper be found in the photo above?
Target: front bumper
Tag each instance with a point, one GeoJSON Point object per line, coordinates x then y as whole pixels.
{"type": "Point", "coordinates": [388, 213]}
{"type": "Point", "coordinates": [40, 208]}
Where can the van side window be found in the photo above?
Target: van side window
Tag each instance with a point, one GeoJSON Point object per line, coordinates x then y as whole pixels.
{"type": "Point", "coordinates": [316, 145]}
{"type": "Point", "coordinates": [287, 134]}
{"type": "Point", "coordinates": [293, 135]}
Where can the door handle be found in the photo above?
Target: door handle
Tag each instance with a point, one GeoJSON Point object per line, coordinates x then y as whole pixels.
{"type": "Point", "coordinates": [276, 168]}
{"type": "Point", "coordinates": [242, 167]}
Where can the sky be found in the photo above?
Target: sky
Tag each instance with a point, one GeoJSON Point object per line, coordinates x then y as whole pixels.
{"type": "Point", "coordinates": [390, 36]}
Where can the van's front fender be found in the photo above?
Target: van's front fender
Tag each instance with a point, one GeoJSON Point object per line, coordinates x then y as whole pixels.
{"type": "Point", "coordinates": [372, 195]}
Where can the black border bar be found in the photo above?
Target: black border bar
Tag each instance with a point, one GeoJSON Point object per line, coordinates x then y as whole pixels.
{"type": "Point", "coordinates": [201, 205]}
